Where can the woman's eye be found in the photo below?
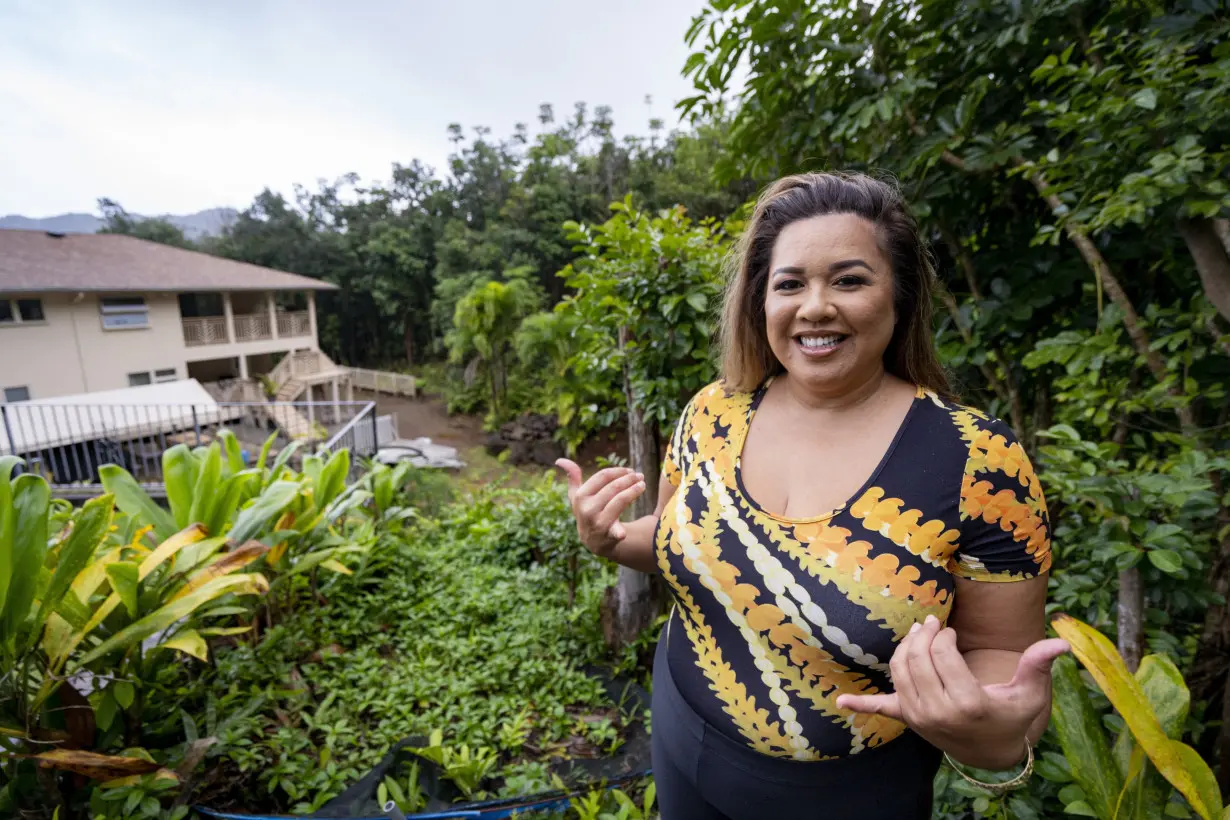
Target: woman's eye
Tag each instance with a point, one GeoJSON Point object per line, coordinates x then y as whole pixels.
{"type": "Point", "coordinates": [850, 281]}
{"type": "Point", "coordinates": [788, 284]}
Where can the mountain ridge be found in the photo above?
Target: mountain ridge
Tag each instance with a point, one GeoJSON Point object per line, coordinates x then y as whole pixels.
{"type": "Point", "coordinates": [209, 222]}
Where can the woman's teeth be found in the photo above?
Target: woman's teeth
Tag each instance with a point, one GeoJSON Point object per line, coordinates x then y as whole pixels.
{"type": "Point", "coordinates": [819, 342]}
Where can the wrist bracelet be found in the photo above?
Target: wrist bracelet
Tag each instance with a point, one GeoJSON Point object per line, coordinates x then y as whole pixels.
{"type": "Point", "coordinates": [1007, 785]}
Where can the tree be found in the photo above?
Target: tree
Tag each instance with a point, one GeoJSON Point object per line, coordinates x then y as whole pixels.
{"type": "Point", "coordinates": [484, 323]}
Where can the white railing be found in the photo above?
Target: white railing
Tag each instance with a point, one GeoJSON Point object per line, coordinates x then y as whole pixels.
{"type": "Point", "coordinates": [381, 381]}
{"type": "Point", "coordinates": [292, 324]}
{"type": "Point", "coordinates": [252, 327]}
{"type": "Point", "coordinates": [205, 330]}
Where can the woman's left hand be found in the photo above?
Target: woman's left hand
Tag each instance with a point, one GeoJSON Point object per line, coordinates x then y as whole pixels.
{"type": "Point", "coordinates": [939, 698]}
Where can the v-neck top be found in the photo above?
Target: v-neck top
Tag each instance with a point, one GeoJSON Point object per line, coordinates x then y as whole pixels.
{"type": "Point", "coordinates": [776, 617]}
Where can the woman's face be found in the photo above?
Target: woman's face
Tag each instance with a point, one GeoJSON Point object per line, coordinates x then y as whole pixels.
{"type": "Point", "coordinates": [829, 302]}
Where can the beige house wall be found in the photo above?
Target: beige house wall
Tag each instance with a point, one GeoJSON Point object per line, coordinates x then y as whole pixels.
{"type": "Point", "coordinates": [70, 351]}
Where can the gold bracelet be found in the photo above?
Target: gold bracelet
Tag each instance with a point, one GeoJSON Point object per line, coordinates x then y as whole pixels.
{"type": "Point", "coordinates": [1007, 785]}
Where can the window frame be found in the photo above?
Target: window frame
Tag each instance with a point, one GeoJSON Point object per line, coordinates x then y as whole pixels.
{"type": "Point", "coordinates": [149, 378]}
{"type": "Point", "coordinates": [4, 394]}
{"type": "Point", "coordinates": [137, 307]}
{"type": "Point", "coordinates": [14, 311]}
{"type": "Point", "coordinates": [165, 375]}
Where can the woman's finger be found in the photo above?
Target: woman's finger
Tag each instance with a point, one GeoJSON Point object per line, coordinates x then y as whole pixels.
{"type": "Point", "coordinates": [616, 506]}
{"type": "Point", "coordinates": [887, 705]}
{"type": "Point", "coordinates": [600, 479]}
{"type": "Point", "coordinates": [602, 498]}
{"type": "Point", "coordinates": [928, 687]}
{"type": "Point", "coordinates": [572, 471]}
{"type": "Point", "coordinates": [899, 668]}
{"type": "Point", "coordinates": [959, 682]}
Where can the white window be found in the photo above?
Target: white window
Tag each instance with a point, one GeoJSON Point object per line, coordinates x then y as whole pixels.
{"type": "Point", "coordinates": [124, 313]}
{"type": "Point", "coordinates": [13, 394]}
{"type": "Point", "coordinates": [138, 379]}
{"type": "Point", "coordinates": [168, 375]}
{"type": "Point", "coordinates": [16, 311]}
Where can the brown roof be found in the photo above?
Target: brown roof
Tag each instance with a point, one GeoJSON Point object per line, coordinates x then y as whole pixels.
{"type": "Point", "coordinates": [40, 262]}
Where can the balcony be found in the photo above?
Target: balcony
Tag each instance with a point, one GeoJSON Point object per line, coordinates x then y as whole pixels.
{"type": "Point", "coordinates": [205, 330]}
{"type": "Point", "coordinates": [294, 324]}
{"type": "Point", "coordinates": [252, 327]}
{"type": "Point", "coordinates": [248, 327]}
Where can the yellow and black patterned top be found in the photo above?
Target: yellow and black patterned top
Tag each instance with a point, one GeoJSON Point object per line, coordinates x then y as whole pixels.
{"type": "Point", "coordinates": [776, 617]}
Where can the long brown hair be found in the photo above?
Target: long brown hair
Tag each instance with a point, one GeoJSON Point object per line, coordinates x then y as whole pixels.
{"type": "Point", "coordinates": [747, 359]}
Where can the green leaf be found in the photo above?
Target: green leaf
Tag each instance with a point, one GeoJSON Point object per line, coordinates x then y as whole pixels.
{"type": "Point", "coordinates": [698, 301]}
{"type": "Point", "coordinates": [124, 693]}
{"type": "Point", "coordinates": [179, 472]}
{"type": "Point", "coordinates": [1145, 98]}
{"type": "Point", "coordinates": [1166, 560]}
{"type": "Point", "coordinates": [234, 452]}
{"type": "Point", "coordinates": [1081, 809]}
{"type": "Point", "coordinates": [31, 502]}
{"type": "Point", "coordinates": [125, 582]}
{"type": "Point", "coordinates": [263, 510]}
{"type": "Point", "coordinates": [8, 522]}
{"type": "Point", "coordinates": [204, 494]}
{"type": "Point", "coordinates": [1082, 739]}
{"type": "Point", "coordinates": [135, 502]}
{"type": "Point", "coordinates": [167, 615]}
{"type": "Point", "coordinates": [90, 527]}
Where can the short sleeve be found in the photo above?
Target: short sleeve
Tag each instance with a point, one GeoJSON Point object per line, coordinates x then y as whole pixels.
{"type": "Point", "coordinates": [680, 448]}
{"type": "Point", "coordinates": [1005, 527]}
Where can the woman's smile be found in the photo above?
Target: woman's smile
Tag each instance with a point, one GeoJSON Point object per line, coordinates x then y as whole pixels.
{"type": "Point", "coordinates": [820, 345]}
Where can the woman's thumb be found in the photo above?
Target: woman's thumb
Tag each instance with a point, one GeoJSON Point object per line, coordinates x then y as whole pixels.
{"type": "Point", "coordinates": [1035, 664]}
{"type": "Point", "coordinates": [572, 470]}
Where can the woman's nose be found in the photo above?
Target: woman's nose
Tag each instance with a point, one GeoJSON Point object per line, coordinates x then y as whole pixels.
{"type": "Point", "coordinates": [817, 305]}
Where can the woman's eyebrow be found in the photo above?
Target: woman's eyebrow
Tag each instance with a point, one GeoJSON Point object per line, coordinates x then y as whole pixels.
{"type": "Point", "coordinates": [844, 264]}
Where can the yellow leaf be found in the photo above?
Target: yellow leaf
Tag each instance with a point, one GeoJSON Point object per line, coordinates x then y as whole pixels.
{"type": "Point", "coordinates": [1098, 655]}
{"type": "Point", "coordinates": [57, 634]}
{"type": "Point", "coordinates": [285, 522]}
{"type": "Point", "coordinates": [189, 642]}
{"type": "Point", "coordinates": [227, 563]}
{"type": "Point", "coordinates": [165, 550]}
{"type": "Point", "coordinates": [92, 764]}
{"type": "Point", "coordinates": [337, 566]}
{"type": "Point", "coordinates": [90, 579]}
{"type": "Point", "coordinates": [275, 554]}
{"type": "Point", "coordinates": [226, 630]}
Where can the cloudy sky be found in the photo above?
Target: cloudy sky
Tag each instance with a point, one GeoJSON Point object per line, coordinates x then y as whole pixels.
{"type": "Point", "coordinates": [172, 107]}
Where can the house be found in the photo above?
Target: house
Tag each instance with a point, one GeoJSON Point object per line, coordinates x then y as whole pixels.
{"type": "Point", "coordinates": [82, 313]}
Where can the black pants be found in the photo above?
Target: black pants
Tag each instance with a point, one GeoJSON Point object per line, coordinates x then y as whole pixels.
{"type": "Point", "coordinates": [701, 774]}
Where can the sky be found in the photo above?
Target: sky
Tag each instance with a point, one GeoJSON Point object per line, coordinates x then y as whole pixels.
{"type": "Point", "coordinates": [173, 107]}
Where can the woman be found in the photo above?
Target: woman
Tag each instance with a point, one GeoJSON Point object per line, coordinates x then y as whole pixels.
{"type": "Point", "coordinates": [858, 562]}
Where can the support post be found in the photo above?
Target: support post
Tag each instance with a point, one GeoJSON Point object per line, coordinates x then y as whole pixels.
{"type": "Point", "coordinates": [312, 319]}
{"type": "Point", "coordinates": [337, 411]}
{"type": "Point", "coordinates": [243, 367]}
{"type": "Point", "coordinates": [229, 313]}
{"type": "Point", "coordinates": [4, 416]}
{"type": "Point", "coordinates": [273, 315]}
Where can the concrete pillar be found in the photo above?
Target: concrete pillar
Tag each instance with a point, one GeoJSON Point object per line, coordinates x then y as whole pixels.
{"type": "Point", "coordinates": [337, 411]}
{"type": "Point", "coordinates": [229, 313]}
{"type": "Point", "coordinates": [350, 390]}
{"type": "Point", "coordinates": [311, 408]}
{"type": "Point", "coordinates": [243, 367]}
{"type": "Point", "coordinates": [312, 318]}
{"type": "Point", "coordinates": [273, 315]}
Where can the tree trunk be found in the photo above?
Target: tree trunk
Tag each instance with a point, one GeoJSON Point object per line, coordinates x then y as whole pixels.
{"type": "Point", "coordinates": [408, 339]}
{"type": "Point", "coordinates": [1212, 260]}
{"type": "Point", "coordinates": [1110, 283]}
{"type": "Point", "coordinates": [631, 605]}
{"type": "Point", "coordinates": [1131, 617]}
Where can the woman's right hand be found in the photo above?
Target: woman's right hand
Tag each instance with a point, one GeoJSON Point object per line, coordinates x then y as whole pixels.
{"type": "Point", "coordinates": [598, 503]}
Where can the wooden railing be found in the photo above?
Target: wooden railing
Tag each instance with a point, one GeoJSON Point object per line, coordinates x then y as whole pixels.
{"type": "Point", "coordinates": [294, 324]}
{"type": "Point", "coordinates": [252, 327]}
{"type": "Point", "coordinates": [205, 330]}
{"type": "Point", "coordinates": [381, 381]}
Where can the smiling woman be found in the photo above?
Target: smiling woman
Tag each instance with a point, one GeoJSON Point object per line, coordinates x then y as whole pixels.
{"type": "Point", "coordinates": [858, 562]}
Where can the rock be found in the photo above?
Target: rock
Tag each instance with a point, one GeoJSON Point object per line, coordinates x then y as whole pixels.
{"type": "Point", "coordinates": [546, 452]}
